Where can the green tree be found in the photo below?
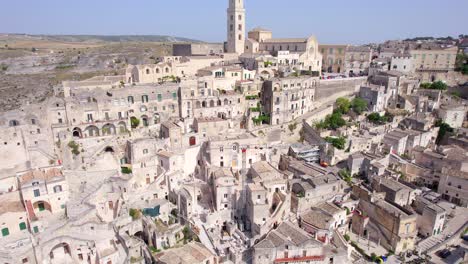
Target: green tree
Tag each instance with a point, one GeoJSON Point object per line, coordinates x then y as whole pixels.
{"type": "Point", "coordinates": [343, 105]}
{"type": "Point", "coordinates": [376, 118]}
{"type": "Point", "coordinates": [444, 128]}
{"type": "Point", "coordinates": [346, 175]}
{"type": "Point", "coordinates": [135, 122]}
{"type": "Point", "coordinates": [337, 142]}
{"type": "Point", "coordinates": [292, 127]}
{"type": "Point", "coordinates": [439, 85]}
{"type": "Point", "coordinates": [359, 105]}
{"type": "Point", "coordinates": [425, 85]}
{"type": "Point", "coordinates": [335, 120]}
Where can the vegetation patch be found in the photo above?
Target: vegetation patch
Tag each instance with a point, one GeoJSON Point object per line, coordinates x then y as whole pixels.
{"type": "Point", "coordinates": [337, 142]}
{"type": "Point", "coordinates": [439, 85]}
{"type": "Point", "coordinates": [333, 121]}
{"type": "Point", "coordinates": [74, 148]}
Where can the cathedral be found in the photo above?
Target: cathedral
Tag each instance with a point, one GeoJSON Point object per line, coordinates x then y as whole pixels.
{"type": "Point", "coordinates": [302, 52]}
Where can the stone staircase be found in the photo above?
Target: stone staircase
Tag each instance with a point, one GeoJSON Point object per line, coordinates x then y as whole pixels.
{"type": "Point", "coordinates": [429, 243]}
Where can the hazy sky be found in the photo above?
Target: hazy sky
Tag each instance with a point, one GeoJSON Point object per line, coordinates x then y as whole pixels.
{"type": "Point", "coordinates": [332, 21]}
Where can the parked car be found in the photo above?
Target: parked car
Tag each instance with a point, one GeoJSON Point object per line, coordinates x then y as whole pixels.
{"type": "Point", "coordinates": [444, 253]}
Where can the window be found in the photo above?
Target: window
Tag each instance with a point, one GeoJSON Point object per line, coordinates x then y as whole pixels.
{"type": "Point", "coordinates": [36, 229]}
{"type": "Point", "coordinates": [37, 193]}
{"type": "Point", "coordinates": [130, 99]}
{"type": "Point", "coordinates": [22, 226]}
{"type": "Point", "coordinates": [57, 188]}
{"type": "Point", "coordinates": [159, 97]}
{"type": "Point", "coordinates": [144, 98]}
{"type": "Point", "coordinates": [5, 232]}
{"type": "Point", "coordinates": [25, 260]}
{"type": "Point", "coordinates": [145, 151]}
{"type": "Point", "coordinates": [33, 121]}
{"type": "Point", "coordinates": [174, 96]}
{"type": "Point", "coordinates": [90, 117]}
{"type": "Point", "coordinates": [147, 71]}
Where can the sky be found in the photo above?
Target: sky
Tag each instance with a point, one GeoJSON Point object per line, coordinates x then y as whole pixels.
{"type": "Point", "coordinates": [331, 21]}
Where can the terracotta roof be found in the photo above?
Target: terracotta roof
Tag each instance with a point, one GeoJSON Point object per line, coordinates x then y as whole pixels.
{"type": "Point", "coordinates": [40, 175]}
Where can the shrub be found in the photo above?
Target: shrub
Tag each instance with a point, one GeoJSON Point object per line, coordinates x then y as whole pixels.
{"type": "Point", "coordinates": [292, 127]}
{"type": "Point", "coordinates": [444, 128]}
{"type": "Point", "coordinates": [359, 105]}
{"type": "Point", "coordinates": [438, 85]}
{"type": "Point", "coordinates": [126, 170]}
{"type": "Point", "coordinates": [251, 97]}
{"type": "Point", "coordinates": [346, 237]}
{"type": "Point", "coordinates": [343, 105]}
{"type": "Point", "coordinates": [376, 118]}
{"type": "Point", "coordinates": [134, 213]}
{"type": "Point", "coordinates": [135, 122]}
{"type": "Point", "coordinates": [337, 142]}
{"type": "Point", "coordinates": [74, 147]}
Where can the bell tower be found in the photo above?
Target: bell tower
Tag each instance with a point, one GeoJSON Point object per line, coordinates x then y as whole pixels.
{"type": "Point", "coordinates": [236, 27]}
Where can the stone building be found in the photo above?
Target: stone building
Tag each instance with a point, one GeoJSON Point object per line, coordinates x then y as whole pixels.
{"type": "Point", "coordinates": [395, 192]}
{"type": "Point", "coordinates": [334, 57]}
{"type": "Point", "coordinates": [197, 49]}
{"type": "Point", "coordinates": [453, 185]}
{"type": "Point", "coordinates": [375, 96]}
{"type": "Point", "coordinates": [357, 60]}
{"type": "Point", "coordinates": [391, 226]}
{"type": "Point", "coordinates": [453, 115]}
{"type": "Point", "coordinates": [322, 220]}
{"type": "Point", "coordinates": [433, 63]}
{"type": "Point", "coordinates": [285, 99]}
{"type": "Point", "coordinates": [193, 252]}
{"type": "Point", "coordinates": [261, 41]}
{"type": "Point", "coordinates": [288, 243]}
{"type": "Point", "coordinates": [44, 192]}
{"type": "Point", "coordinates": [431, 217]}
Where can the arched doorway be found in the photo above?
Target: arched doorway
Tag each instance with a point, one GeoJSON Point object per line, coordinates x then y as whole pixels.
{"type": "Point", "coordinates": [122, 127]}
{"type": "Point", "coordinates": [92, 131]}
{"type": "Point", "coordinates": [61, 251]}
{"type": "Point", "coordinates": [77, 133]}
{"type": "Point", "coordinates": [41, 206]}
{"type": "Point", "coordinates": [109, 149]}
{"type": "Point", "coordinates": [108, 129]}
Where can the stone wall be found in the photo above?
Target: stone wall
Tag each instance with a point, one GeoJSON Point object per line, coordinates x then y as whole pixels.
{"type": "Point", "coordinates": [329, 89]}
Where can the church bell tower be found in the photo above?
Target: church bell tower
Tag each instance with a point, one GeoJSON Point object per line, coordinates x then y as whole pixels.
{"type": "Point", "coordinates": [236, 27]}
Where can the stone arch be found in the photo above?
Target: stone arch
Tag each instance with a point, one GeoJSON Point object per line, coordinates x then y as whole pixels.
{"type": "Point", "coordinates": [59, 249]}
{"type": "Point", "coordinates": [40, 206]}
{"type": "Point", "coordinates": [109, 149]}
{"type": "Point", "coordinates": [212, 103]}
{"type": "Point", "coordinates": [77, 133]}
{"type": "Point", "coordinates": [108, 129]}
{"type": "Point", "coordinates": [122, 127]}
{"type": "Point", "coordinates": [226, 101]}
{"type": "Point", "coordinates": [92, 131]}
{"type": "Point", "coordinates": [198, 104]}
{"type": "Point", "coordinates": [219, 102]}
{"type": "Point", "coordinates": [204, 104]}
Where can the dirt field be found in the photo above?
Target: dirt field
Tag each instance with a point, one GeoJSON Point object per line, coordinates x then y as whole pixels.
{"type": "Point", "coordinates": [31, 67]}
